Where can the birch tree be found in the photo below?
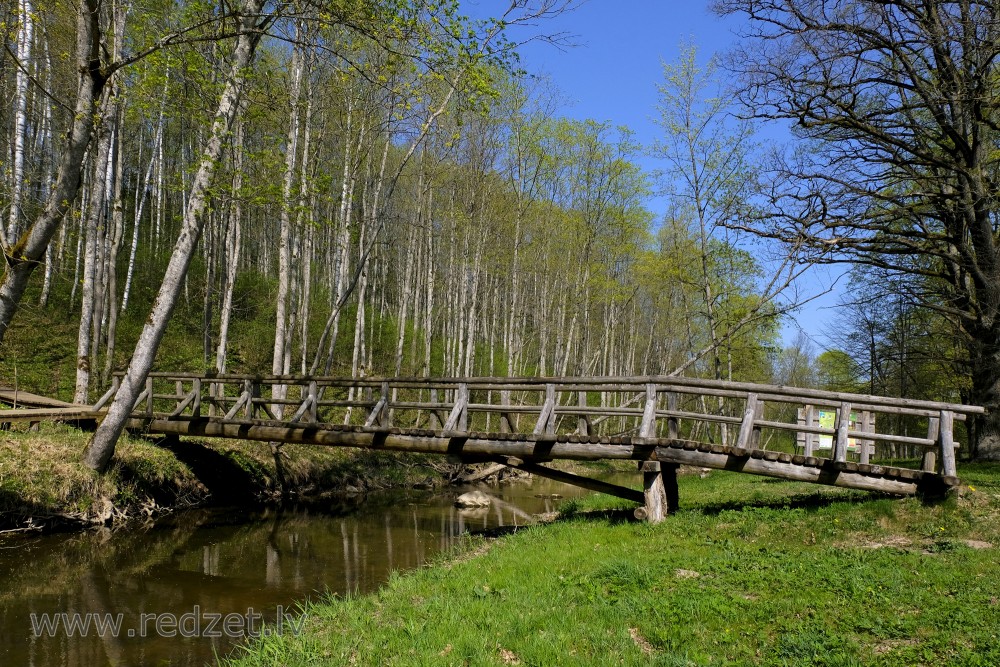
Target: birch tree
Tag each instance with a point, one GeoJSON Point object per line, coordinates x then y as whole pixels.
{"type": "Point", "coordinates": [101, 447]}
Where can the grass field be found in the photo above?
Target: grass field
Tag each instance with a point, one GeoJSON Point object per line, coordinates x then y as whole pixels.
{"type": "Point", "coordinates": [751, 571]}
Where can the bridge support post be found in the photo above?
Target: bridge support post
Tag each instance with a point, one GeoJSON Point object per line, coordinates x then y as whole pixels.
{"type": "Point", "coordinates": [655, 491]}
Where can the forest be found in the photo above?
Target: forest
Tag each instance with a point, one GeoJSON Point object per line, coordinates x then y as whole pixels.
{"type": "Point", "coordinates": [382, 188]}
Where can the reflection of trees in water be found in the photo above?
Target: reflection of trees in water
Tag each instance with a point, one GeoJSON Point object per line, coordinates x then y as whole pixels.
{"type": "Point", "coordinates": [220, 562]}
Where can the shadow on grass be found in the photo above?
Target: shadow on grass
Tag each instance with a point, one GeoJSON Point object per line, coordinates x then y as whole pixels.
{"type": "Point", "coordinates": [809, 501]}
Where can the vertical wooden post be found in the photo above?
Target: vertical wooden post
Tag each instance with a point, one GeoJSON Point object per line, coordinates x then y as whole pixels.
{"type": "Point", "coordinates": [433, 419]}
{"type": "Point", "coordinates": [654, 491]}
{"type": "Point", "coordinates": [929, 463]}
{"type": "Point", "coordinates": [647, 429]}
{"type": "Point", "coordinates": [463, 418]}
{"type": "Point", "coordinates": [673, 424]}
{"type": "Point", "coordinates": [745, 439]}
{"type": "Point", "coordinates": [758, 415]}
{"type": "Point", "coordinates": [659, 481]}
{"type": "Point", "coordinates": [252, 387]}
{"type": "Point", "coordinates": [196, 402]}
{"type": "Point", "coordinates": [866, 446]}
{"type": "Point", "coordinates": [583, 421]}
{"type": "Point", "coordinates": [313, 402]}
{"type": "Point", "coordinates": [810, 441]}
{"type": "Point", "coordinates": [669, 475]}
{"type": "Point", "coordinates": [843, 424]}
{"type": "Point", "coordinates": [384, 417]}
{"type": "Point", "coordinates": [505, 421]}
{"type": "Point", "coordinates": [458, 420]}
{"type": "Point", "coordinates": [550, 398]}
{"type": "Point", "coordinates": [214, 392]}
{"type": "Point", "coordinates": [948, 466]}
{"type": "Point", "coordinates": [546, 423]}
{"type": "Point", "coordinates": [149, 397]}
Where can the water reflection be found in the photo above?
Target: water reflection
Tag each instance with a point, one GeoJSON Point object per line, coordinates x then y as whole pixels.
{"type": "Point", "coordinates": [174, 577]}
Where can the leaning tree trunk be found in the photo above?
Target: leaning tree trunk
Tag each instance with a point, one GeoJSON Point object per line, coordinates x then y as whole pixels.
{"type": "Point", "coordinates": [28, 251]}
{"type": "Point", "coordinates": [102, 446]}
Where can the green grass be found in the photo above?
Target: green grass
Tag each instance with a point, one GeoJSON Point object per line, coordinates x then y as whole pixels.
{"type": "Point", "coordinates": [750, 571]}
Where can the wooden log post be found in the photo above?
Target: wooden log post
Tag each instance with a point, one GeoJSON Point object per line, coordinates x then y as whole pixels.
{"type": "Point", "coordinates": [149, 397]}
{"type": "Point", "coordinates": [865, 446]}
{"type": "Point", "coordinates": [843, 424]}
{"type": "Point", "coordinates": [946, 438]}
{"type": "Point", "coordinates": [583, 426]}
{"type": "Point", "coordinates": [196, 403]}
{"type": "Point", "coordinates": [253, 391]}
{"type": "Point", "coordinates": [654, 493]}
{"type": "Point", "coordinates": [809, 445]}
{"type": "Point", "coordinates": [547, 417]}
{"type": "Point", "coordinates": [506, 422]}
{"type": "Point", "coordinates": [659, 481]}
{"type": "Point", "coordinates": [673, 423]}
{"type": "Point", "coordinates": [458, 420]}
{"type": "Point", "coordinates": [313, 402]}
{"type": "Point", "coordinates": [758, 415]}
{"type": "Point", "coordinates": [433, 417]}
{"type": "Point", "coordinates": [385, 417]}
{"type": "Point", "coordinates": [745, 439]}
{"type": "Point", "coordinates": [929, 463]}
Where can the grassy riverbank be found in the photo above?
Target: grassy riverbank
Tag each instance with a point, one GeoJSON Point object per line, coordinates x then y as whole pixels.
{"type": "Point", "coordinates": [44, 483]}
{"type": "Point", "coordinates": [750, 571]}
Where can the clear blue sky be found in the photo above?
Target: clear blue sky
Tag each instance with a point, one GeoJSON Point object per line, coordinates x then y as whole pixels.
{"type": "Point", "coordinates": [612, 73]}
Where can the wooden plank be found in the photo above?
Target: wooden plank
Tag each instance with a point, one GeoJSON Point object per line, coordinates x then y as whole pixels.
{"type": "Point", "coordinates": [19, 397]}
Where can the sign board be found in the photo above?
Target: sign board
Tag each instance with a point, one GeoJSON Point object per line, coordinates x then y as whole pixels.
{"type": "Point", "coordinates": [828, 419]}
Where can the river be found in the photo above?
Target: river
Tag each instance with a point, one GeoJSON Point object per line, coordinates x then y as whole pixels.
{"type": "Point", "coordinates": [191, 586]}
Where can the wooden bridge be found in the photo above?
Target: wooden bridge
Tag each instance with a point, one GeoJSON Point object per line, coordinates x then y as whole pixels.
{"type": "Point", "coordinates": [841, 439]}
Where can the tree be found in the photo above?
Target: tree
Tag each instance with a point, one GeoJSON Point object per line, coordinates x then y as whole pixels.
{"type": "Point", "coordinates": [25, 253]}
{"type": "Point", "coordinates": [897, 106]}
{"type": "Point", "coordinates": [713, 185]}
{"type": "Point", "coordinates": [101, 447]}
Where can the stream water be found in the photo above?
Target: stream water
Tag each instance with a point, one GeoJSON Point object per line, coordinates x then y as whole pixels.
{"type": "Point", "coordinates": [192, 586]}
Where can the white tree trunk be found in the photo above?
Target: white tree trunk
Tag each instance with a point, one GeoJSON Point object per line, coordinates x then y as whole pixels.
{"type": "Point", "coordinates": [102, 446]}
{"type": "Point", "coordinates": [25, 38]}
{"type": "Point", "coordinates": [28, 251]}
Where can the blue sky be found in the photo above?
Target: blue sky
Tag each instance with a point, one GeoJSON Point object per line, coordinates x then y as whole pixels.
{"type": "Point", "coordinates": [612, 73]}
